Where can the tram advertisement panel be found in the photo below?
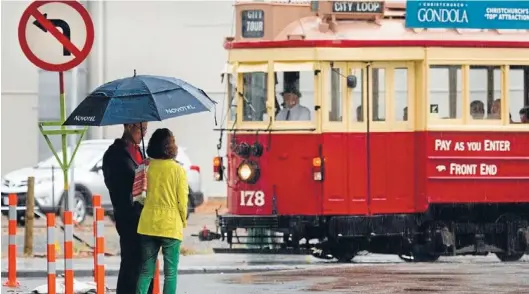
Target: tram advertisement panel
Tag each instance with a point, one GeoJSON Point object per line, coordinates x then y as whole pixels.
{"type": "Point", "coordinates": [477, 156]}
{"type": "Point", "coordinates": [463, 14]}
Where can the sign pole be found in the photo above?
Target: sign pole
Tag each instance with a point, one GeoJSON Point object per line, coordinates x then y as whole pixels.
{"type": "Point", "coordinates": [68, 234]}
{"type": "Point", "coordinates": [73, 140]}
{"type": "Point", "coordinates": [64, 143]}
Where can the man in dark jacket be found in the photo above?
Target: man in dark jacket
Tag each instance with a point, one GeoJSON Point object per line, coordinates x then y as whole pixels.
{"type": "Point", "coordinates": [119, 164]}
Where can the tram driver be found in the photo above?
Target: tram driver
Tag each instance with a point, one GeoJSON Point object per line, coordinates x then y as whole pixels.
{"type": "Point", "coordinates": [292, 110]}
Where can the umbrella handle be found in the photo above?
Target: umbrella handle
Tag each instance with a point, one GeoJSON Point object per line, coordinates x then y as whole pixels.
{"type": "Point", "coordinates": [142, 139]}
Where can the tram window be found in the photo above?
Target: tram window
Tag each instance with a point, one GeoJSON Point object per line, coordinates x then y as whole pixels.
{"type": "Point", "coordinates": [357, 93]}
{"type": "Point", "coordinates": [335, 95]}
{"type": "Point", "coordinates": [518, 93]}
{"type": "Point", "coordinates": [445, 90]}
{"type": "Point", "coordinates": [295, 92]}
{"type": "Point", "coordinates": [378, 88]}
{"type": "Point", "coordinates": [485, 92]}
{"type": "Point", "coordinates": [232, 101]}
{"type": "Point", "coordinates": [254, 96]}
{"type": "Point", "coordinates": [401, 94]}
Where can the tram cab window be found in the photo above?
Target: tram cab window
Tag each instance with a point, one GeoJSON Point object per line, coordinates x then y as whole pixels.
{"type": "Point", "coordinates": [518, 94]}
{"type": "Point", "coordinates": [379, 94]}
{"type": "Point", "coordinates": [401, 94]}
{"type": "Point", "coordinates": [295, 93]}
{"type": "Point", "coordinates": [357, 93]}
{"type": "Point", "coordinates": [254, 96]}
{"type": "Point", "coordinates": [335, 95]}
{"type": "Point", "coordinates": [485, 92]}
{"type": "Point", "coordinates": [445, 91]}
{"type": "Point", "coordinates": [232, 99]}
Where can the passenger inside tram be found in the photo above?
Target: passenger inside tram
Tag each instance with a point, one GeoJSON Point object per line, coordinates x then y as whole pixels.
{"type": "Point", "coordinates": [405, 114]}
{"type": "Point", "coordinates": [524, 115]}
{"type": "Point", "coordinates": [477, 109]}
{"type": "Point", "coordinates": [495, 112]}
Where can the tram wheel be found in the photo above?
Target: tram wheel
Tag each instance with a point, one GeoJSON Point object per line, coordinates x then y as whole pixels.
{"type": "Point", "coordinates": [510, 257]}
{"type": "Point", "coordinates": [344, 251]}
{"type": "Point", "coordinates": [512, 236]}
{"type": "Point", "coordinates": [344, 256]}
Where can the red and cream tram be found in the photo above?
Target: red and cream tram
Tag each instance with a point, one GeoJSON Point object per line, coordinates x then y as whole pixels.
{"type": "Point", "coordinates": [400, 141]}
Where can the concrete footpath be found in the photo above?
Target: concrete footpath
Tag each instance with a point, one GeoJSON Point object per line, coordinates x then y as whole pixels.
{"type": "Point", "coordinates": [193, 264]}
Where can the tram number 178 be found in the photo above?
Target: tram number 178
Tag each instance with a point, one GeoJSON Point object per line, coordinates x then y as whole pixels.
{"type": "Point", "coordinates": [252, 198]}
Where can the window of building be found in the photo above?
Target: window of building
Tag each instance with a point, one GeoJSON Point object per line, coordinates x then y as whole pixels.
{"type": "Point", "coordinates": [518, 88]}
{"type": "Point", "coordinates": [254, 96]}
{"type": "Point", "coordinates": [378, 91]}
{"type": "Point", "coordinates": [294, 93]}
{"type": "Point", "coordinates": [335, 95]}
{"type": "Point", "coordinates": [485, 92]}
{"type": "Point", "coordinates": [445, 91]}
{"type": "Point", "coordinates": [357, 93]}
{"type": "Point", "coordinates": [232, 98]}
{"type": "Point", "coordinates": [401, 94]}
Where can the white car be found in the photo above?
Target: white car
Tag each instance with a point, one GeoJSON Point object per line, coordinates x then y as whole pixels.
{"type": "Point", "coordinates": [88, 179]}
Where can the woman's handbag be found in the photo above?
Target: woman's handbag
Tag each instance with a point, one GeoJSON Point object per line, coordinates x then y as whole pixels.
{"type": "Point", "coordinates": [139, 187]}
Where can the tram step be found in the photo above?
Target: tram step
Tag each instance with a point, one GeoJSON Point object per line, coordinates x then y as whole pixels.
{"type": "Point", "coordinates": [262, 251]}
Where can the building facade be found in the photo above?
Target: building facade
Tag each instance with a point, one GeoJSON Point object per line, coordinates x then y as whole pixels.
{"type": "Point", "coordinates": [173, 38]}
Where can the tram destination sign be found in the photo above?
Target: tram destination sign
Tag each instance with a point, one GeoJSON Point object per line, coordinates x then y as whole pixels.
{"type": "Point", "coordinates": [463, 14]}
{"type": "Point", "coordinates": [252, 23]}
{"type": "Point", "coordinates": [358, 6]}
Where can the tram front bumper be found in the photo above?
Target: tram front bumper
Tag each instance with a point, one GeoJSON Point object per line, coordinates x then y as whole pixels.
{"type": "Point", "coordinates": [232, 222]}
{"type": "Point", "coordinates": [228, 223]}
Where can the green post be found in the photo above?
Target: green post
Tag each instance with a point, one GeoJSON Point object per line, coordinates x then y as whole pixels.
{"type": "Point", "coordinates": [64, 141]}
{"type": "Point", "coordinates": [64, 163]}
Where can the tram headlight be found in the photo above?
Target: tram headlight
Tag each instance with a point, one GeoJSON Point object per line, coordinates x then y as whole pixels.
{"type": "Point", "coordinates": [248, 171]}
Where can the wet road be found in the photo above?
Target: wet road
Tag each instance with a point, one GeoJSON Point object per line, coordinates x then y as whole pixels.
{"type": "Point", "coordinates": [371, 274]}
{"type": "Point", "coordinates": [191, 244]}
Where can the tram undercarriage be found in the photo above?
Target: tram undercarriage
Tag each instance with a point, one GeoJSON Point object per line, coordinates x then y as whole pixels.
{"type": "Point", "coordinates": [413, 237]}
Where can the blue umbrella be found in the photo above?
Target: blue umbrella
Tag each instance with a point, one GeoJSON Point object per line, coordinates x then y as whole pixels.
{"type": "Point", "coordinates": [141, 98]}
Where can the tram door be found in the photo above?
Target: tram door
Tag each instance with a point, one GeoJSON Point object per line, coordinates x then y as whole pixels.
{"type": "Point", "coordinates": [344, 139]}
{"type": "Point", "coordinates": [380, 138]}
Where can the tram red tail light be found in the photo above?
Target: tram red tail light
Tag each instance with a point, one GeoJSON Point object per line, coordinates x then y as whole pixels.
{"type": "Point", "coordinates": [218, 172]}
{"type": "Point", "coordinates": [317, 168]}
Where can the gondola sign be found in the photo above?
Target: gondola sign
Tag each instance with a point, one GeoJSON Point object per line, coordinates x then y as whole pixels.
{"type": "Point", "coordinates": [445, 14]}
{"type": "Point", "coordinates": [358, 6]}
{"type": "Point", "coordinates": [252, 23]}
{"type": "Point", "coordinates": [56, 35]}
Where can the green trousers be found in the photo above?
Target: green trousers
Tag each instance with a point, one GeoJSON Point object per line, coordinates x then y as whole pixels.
{"type": "Point", "coordinates": [150, 246]}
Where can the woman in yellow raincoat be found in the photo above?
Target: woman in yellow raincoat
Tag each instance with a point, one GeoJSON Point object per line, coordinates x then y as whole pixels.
{"type": "Point", "coordinates": [163, 218]}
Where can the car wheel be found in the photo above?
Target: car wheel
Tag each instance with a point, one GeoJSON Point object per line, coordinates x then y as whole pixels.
{"type": "Point", "coordinates": [21, 221]}
{"type": "Point", "coordinates": [79, 209]}
{"type": "Point", "coordinates": [112, 217]}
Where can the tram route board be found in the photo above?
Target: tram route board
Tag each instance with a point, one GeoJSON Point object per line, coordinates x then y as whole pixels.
{"type": "Point", "coordinates": [252, 23]}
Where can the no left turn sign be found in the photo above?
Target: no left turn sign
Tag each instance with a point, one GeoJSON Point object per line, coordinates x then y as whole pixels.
{"type": "Point", "coordinates": [56, 35]}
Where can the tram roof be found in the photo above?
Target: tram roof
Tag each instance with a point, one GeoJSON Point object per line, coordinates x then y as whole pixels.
{"type": "Point", "coordinates": [289, 24]}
